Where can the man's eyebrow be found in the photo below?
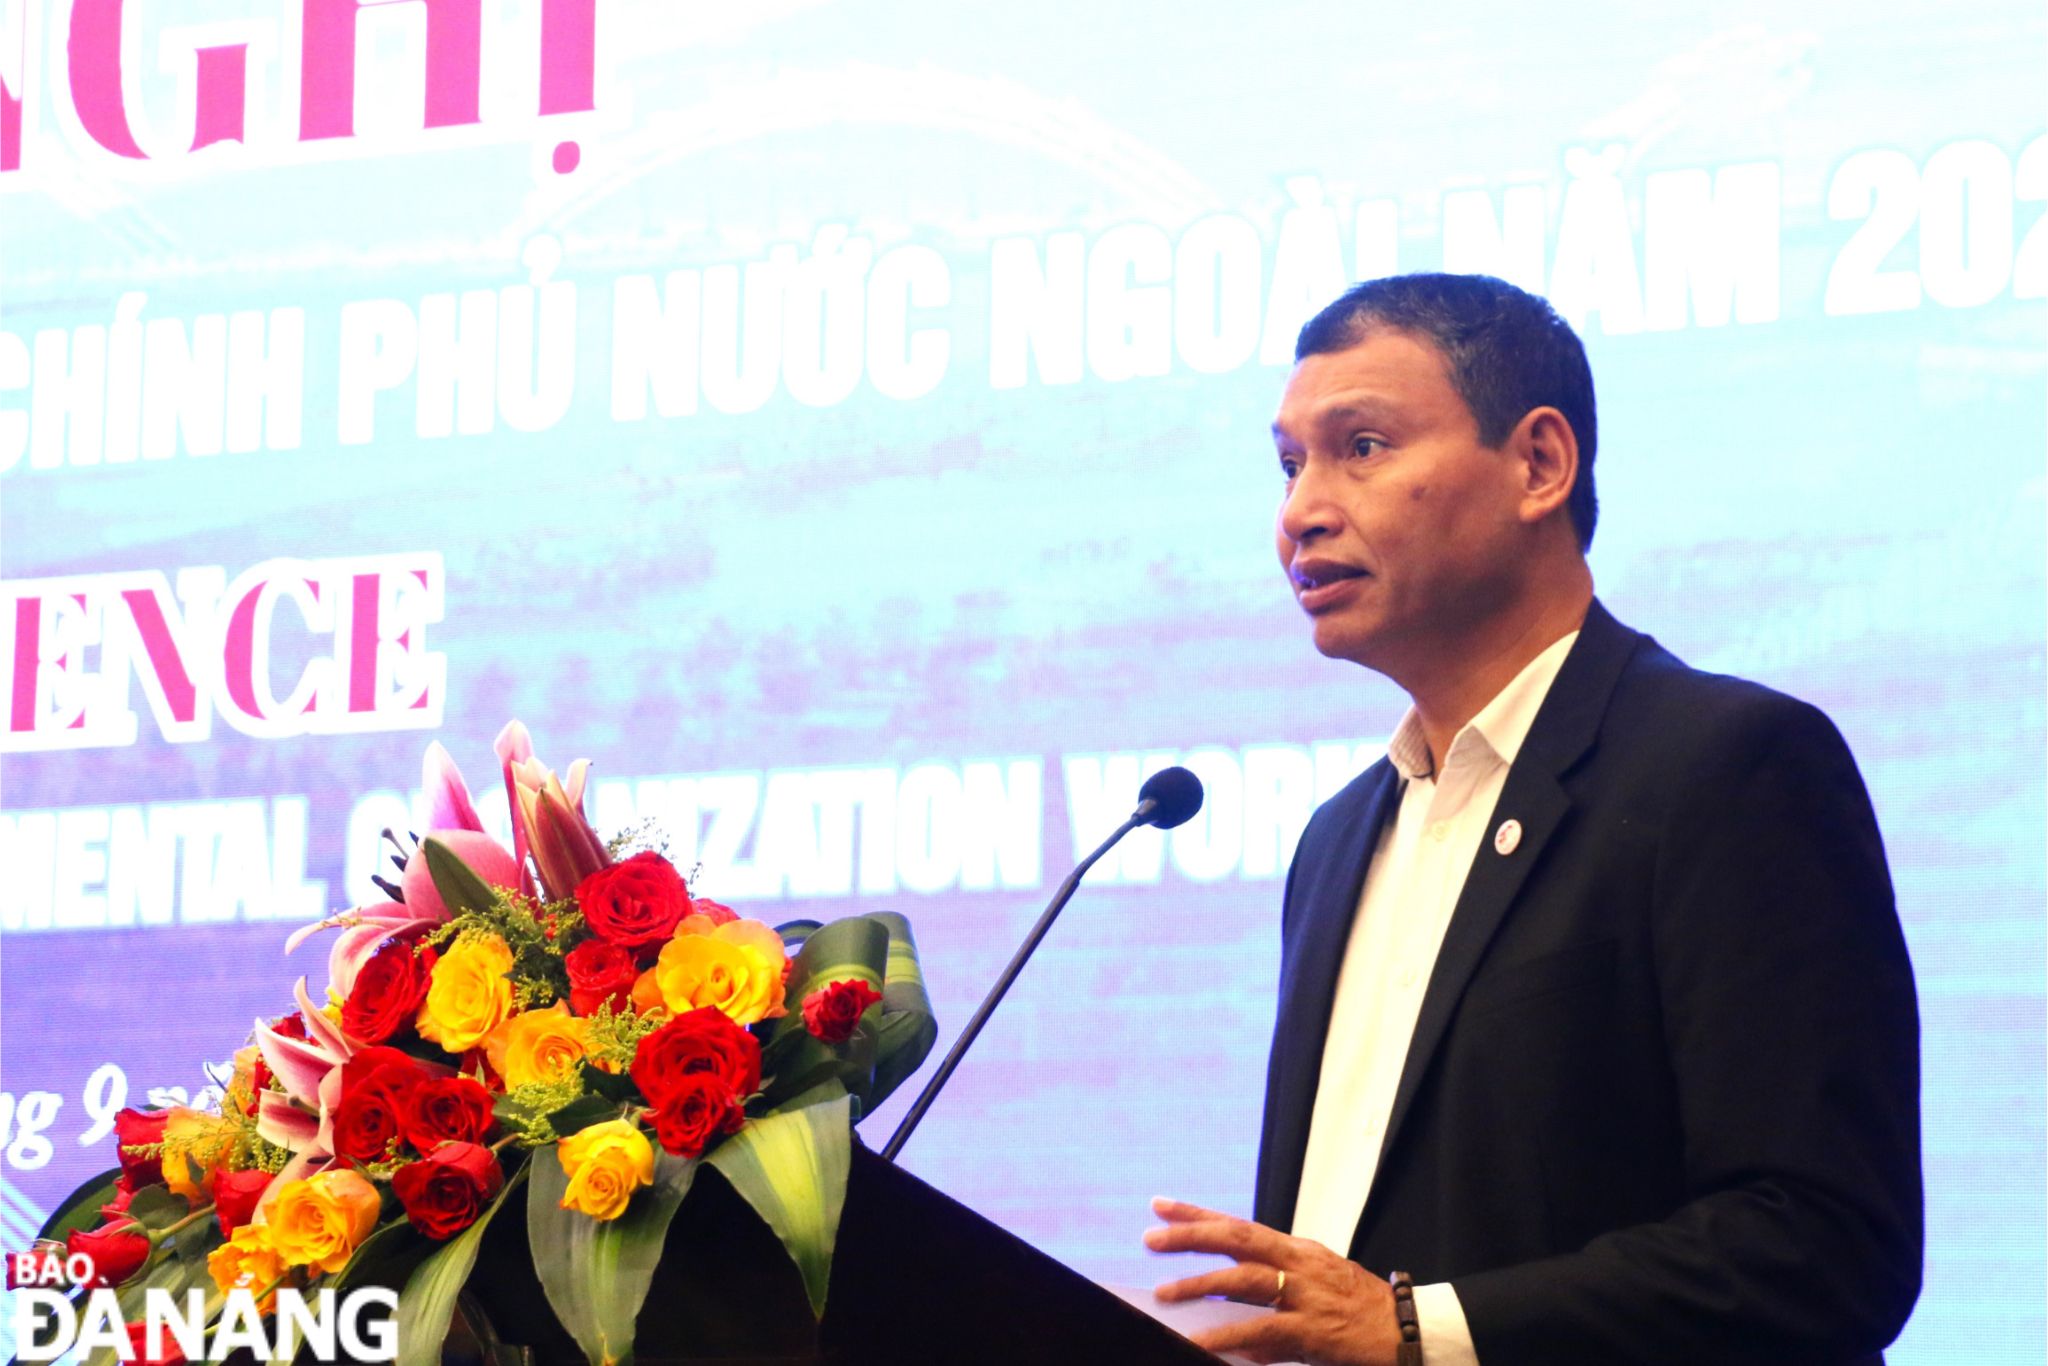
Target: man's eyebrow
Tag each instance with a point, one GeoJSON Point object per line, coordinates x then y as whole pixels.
{"type": "Point", "coordinates": [1360, 409]}
{"type": "Point", "coordinates": [1368, 409]}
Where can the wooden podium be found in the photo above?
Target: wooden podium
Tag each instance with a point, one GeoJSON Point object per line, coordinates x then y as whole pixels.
{"type": "Point", "coordinates": [918, 1279]}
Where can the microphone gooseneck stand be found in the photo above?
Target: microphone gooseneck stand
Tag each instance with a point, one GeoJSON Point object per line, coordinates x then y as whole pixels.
{"type": "Point", "coordinates": [1142, 816]}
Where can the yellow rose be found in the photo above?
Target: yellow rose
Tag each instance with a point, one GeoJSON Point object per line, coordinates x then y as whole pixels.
{"type": "Point", "coordinates": [737, 967]}
{"type": "Point", "coordinates": [538, 1045]}
{"type": "Point", "coordinates": [647, 994]}
{"type": "Point", "coordinates": [319, 1221]}
{"type": "Point", "coordinates": [248, 1260]}
{"type": "Point", "coordinates": [468, 994]}
{"type": "Point", "coordinates": [194, 1145]}
{"type": "Point", "coordinates": [606, 1163]}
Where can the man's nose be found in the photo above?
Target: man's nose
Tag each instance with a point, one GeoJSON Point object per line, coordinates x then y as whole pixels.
{"type": "Point", "coordinates": [1307, 513]}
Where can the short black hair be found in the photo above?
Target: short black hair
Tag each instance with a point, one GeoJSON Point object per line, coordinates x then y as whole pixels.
{"type": "Point", "coordinates": [1507, 350]}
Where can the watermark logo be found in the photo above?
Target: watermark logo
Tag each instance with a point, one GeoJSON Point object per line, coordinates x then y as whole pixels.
{"type": "Point", "coordinates": [51, 1318]}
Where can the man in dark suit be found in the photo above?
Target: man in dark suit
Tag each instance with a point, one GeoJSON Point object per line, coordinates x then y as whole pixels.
{"type": "Point", "coordinates": [1596, 1023]}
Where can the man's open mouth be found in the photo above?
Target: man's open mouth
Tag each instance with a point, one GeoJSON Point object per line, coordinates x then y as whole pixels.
{"type": "Point", "coordinates": [1320, 574]}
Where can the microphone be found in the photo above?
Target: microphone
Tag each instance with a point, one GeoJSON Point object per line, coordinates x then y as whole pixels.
{"type": "Point", "coordinates": [1168, 798]}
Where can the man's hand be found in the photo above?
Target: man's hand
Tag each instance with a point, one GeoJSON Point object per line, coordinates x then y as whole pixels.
{"type": "Point", "coordinates": [1327, 1311]}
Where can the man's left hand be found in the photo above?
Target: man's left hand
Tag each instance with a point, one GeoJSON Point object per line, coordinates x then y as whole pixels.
{"type": "Point", "coordinates": [1328, 1310]}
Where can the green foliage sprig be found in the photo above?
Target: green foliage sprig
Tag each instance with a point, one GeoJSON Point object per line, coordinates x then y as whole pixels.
{"type": "Point", "coordinates": [528, 1111]}
{"type": "Point", "coordinates": [613, 1037]}
{"type": "Point", "coordinates": [642, 835]}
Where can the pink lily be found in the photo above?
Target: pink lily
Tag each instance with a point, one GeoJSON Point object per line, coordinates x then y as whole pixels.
{"type": "Point", "coordinates": [363, 931]}
{"type": "Point", "coordinates": [296, 1117]}
{"type": "Point", "coordinates": [448, 804]}
{"type": "Point", "coordinates": [285, 1124]}
{"type": "Point", "coordinates": [514, 747]}
{"type": "Point", "coordinates": [365, 928]}
{"type": "Point", "coordinates": [547, 816]}
{"type": "Point", "coordinates": [452, 819]}
{"type": "Point", "coordinates": [485, 857]}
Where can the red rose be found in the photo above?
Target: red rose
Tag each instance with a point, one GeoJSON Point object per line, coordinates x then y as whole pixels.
{"type": "Point", "coordinates": [445, 1110]}
{"type": "Point", "coordinates": [445, 1191]}
{"type": "Point", "coordinates": [138, 1347]}
{"type": "Point", "coordinates": [366, 1125]}
{"type": "Point", "coordinates": [291, 1025]}
{"type": "Point", "coordinates": [117, 1252]}
{"type": "Point", "coordinates": [718, 911]}
{"type": "Point", "coordinates": [600, 971]}
{"type": "Point", "coordinates": [833, 1011]}
{"type": "Point", "coordinates": [235, 1195]}
{"type": "Point", "coordinates": [381, 1069]}
{"type": "Point", "coordinates": [637, 902]}
{"type": "Point", "coordinates": [698, 1109]}
{"type": "Point", "coordinates": [388, 990]}
{"type": "Point", "coordinates": [375, 1085]}
{"type": "Point", "coordinates": [117, 1205]}
{"type": "Point", "coordinates": [137, 1127]}
{"type": "Point", "coordinates": [704, 1040]}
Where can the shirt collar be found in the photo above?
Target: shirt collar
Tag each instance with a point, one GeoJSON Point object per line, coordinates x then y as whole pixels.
{"type": "Point", "coordinates": [1501, 725]}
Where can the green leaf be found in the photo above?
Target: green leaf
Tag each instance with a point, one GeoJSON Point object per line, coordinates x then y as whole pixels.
{"type": "Point", "coordinates": [794, 932]}
{"type": "Point", "coordinates": [798, 1061]}
{"type": "Point", "coordinates": [428, 1301]}
{"type": "Point", "coordinates": [856, 947]}
{"type": "Point", "coordinates": [80, 1210]}
{"type": "Point", "coordinates": [511, 1113]}
{"type": "Point", "coordinates": [792, 1167]}
{"type": "Point", "coordinates": [904, 1043]}
{"type": "Point", "coordinates": [908, 1029]}
{"type": "Point", "coordinates": [177, 1273]}
{"type": "Point", "coordinates": [613, 1086]}
{"type": "Point", "coordinates": [596, 1272]}
{"type": "Point", "coordinates": [581, 1113]}
{"type": "Point", "coordinates": [154, 1207]}
{"type": "Point", "coordinates": [460, 888]}
{"type": "Point", "coordinates": [878, 949]}
{"type": "Point", "coordinates": [199, 1240]}
{"type": "Point", "coordinates": [387, 1257]}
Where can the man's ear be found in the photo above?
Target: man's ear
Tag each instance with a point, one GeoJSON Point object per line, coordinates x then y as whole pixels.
{"type": "Point", "coordinates": [1547, 454]}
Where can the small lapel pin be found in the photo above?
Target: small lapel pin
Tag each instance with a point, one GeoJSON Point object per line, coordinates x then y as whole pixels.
{"type": "Point", "coordinates": [1507, 837]}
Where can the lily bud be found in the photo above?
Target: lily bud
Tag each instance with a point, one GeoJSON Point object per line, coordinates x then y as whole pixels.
{"type": "Point", "coordinates": [565, 848]}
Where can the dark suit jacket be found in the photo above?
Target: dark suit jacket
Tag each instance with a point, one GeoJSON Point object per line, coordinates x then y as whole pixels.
{"type": "Point", "coordinates": [1662, 1100]}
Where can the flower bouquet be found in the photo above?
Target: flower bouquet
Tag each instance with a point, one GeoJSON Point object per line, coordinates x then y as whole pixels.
{"type": "Point", "coordinates": [564, 1015]}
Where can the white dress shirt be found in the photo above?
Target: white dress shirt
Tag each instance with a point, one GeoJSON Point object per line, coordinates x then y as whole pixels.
{"type": "Point", "coordinates": [1417, 872]}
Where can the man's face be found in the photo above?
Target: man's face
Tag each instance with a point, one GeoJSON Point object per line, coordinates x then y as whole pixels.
{"type": "Point", "coordinates": [1398, 531]}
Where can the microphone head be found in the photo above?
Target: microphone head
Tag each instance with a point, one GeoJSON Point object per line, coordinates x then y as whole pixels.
{"type": "Point", "coordinates": [1175, 795]}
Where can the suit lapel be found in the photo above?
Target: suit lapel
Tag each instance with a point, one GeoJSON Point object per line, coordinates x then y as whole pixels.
{"type": "Point", "coordinates": [1564, 729]}
{"type": "Point", "coordinates": [1308, 985]}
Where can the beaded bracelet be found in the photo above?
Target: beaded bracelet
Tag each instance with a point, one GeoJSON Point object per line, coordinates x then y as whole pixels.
{"type": "Point", "coordinates": [1409, 1353]}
